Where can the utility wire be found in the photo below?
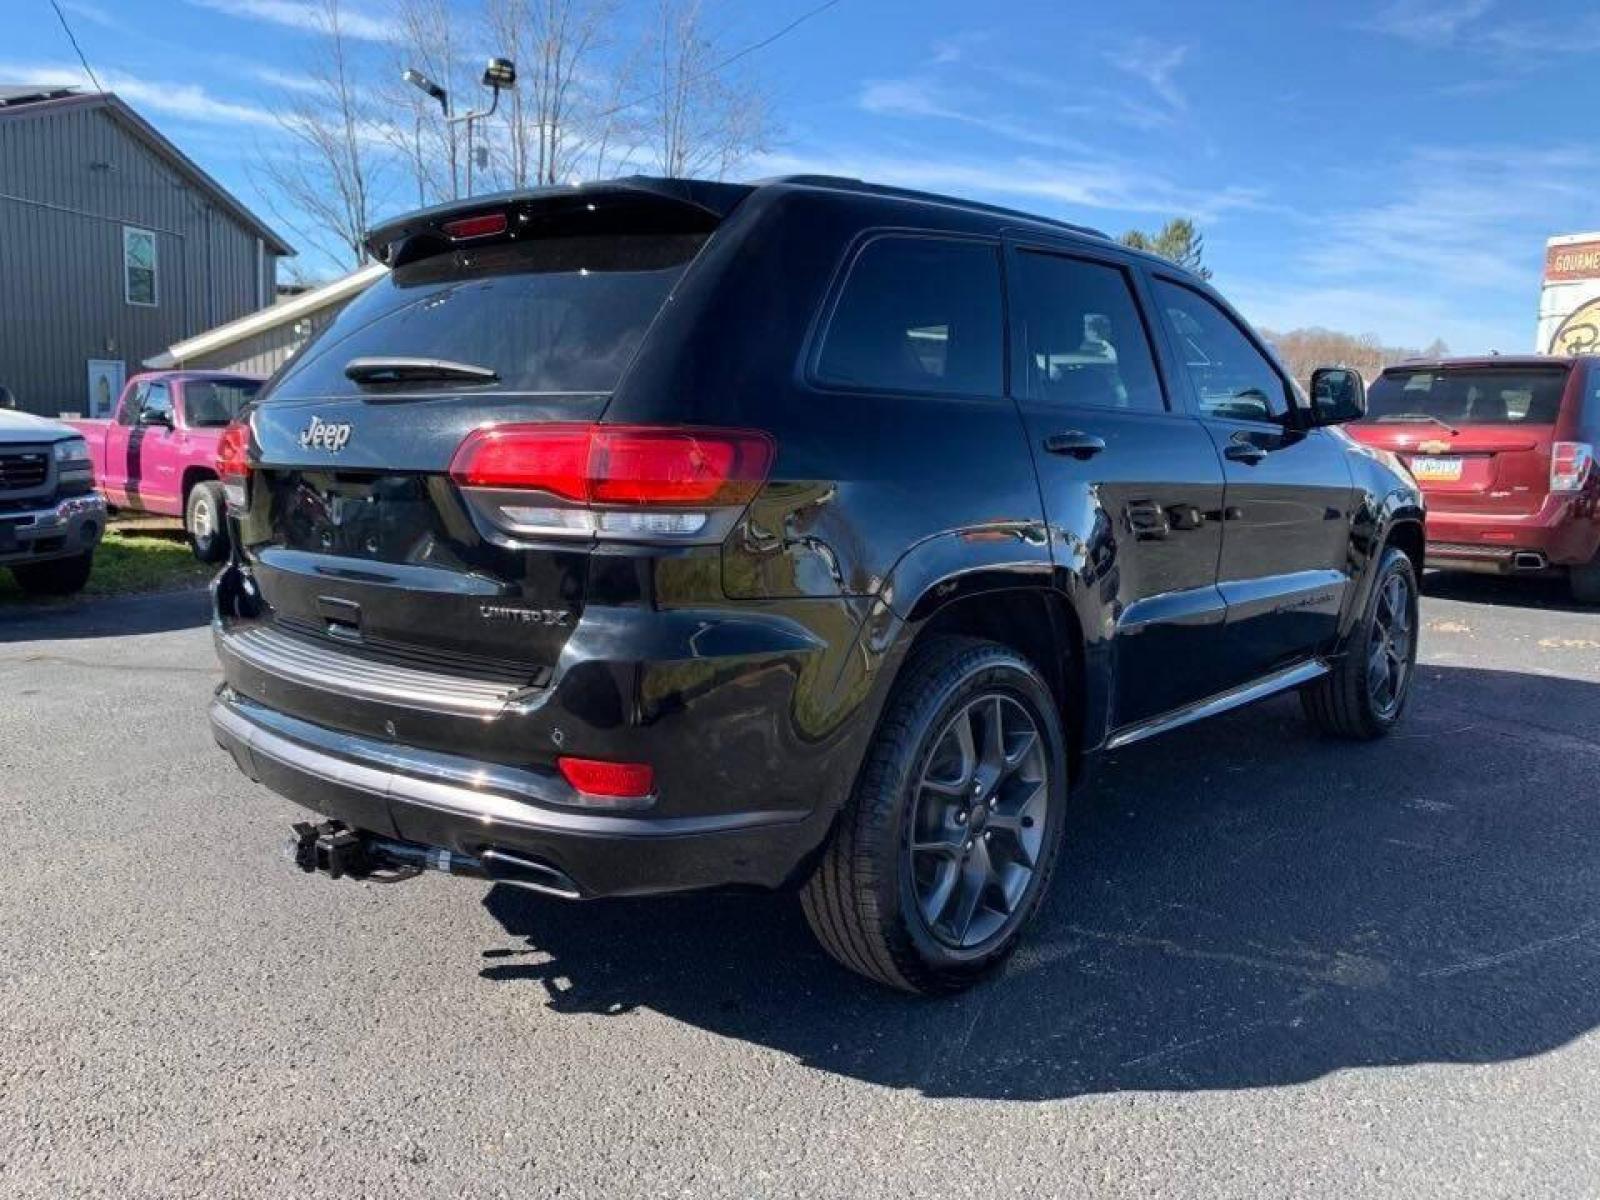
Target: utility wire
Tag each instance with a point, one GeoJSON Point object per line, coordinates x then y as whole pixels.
{"type": "Point", "coordinates": [724, 64]}
{"type": "Point", "coordinates": [71, 37]}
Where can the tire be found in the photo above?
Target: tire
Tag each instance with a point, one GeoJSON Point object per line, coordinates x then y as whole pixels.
{"type": "Point", "coordinates": [58, 577]}
{"type": "Point", "coordinates": [205, 521]}
{"type": "Point", "coordinates": [868, 899]}
{"type": "Point", "coordinates": [1350, 702]}
{"type": "Point", "coordinates": [1584, 582]}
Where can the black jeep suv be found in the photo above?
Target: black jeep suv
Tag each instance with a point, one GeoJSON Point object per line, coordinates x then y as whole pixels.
{"type": "Point", "coordinates": [654, 535]}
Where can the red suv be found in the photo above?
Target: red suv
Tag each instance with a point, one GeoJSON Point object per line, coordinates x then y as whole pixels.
{"type": "Point", "coordinates": [1504, 449]}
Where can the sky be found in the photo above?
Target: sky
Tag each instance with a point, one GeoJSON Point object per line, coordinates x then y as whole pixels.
{"type": "Point", "coordinates": [1390, 167]}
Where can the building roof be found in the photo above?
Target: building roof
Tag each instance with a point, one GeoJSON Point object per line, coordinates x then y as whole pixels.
{"type": "Point", "coordinates": [337, 292]}
{"type": "Point", "coordinates": [24, 102]}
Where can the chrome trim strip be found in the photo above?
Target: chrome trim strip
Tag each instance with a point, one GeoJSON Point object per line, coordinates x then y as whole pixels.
{"type": "Point", "coordinates": [1249, 693]}
{"type": "Point", "coordinates": [455, 786]}
{"type": "Point", "coordinates": [302, 661]}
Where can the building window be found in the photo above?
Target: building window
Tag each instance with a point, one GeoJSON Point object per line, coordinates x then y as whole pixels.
{"type": "Point", "coordinates": [139, 266]}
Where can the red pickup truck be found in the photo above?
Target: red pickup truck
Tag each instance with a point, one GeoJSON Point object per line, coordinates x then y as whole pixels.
{"type": "Point", "coordinates": [157, 452]}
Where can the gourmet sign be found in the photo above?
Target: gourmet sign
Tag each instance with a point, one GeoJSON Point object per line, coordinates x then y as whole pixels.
{"type": "Point", "coordinates": [1574, 260]}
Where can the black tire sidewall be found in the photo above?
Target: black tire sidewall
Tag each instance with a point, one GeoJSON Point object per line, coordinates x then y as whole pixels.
{"type": "Point", "coordinates": [1002, 673]}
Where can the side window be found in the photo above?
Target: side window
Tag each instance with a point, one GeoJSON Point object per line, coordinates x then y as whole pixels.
{"type": "Point", "coordinates": [128, 414]}
{"type": "Point", "coordinates": [1233, 379]}
{"type": "Point", "coordinates": [139, 283]}
{"type": "Point", "coordinates": [1084, 343]}
{"type": "Point", "coordinates": [918, 314]}
{"type": "Point", "coordinates": [157, 403]}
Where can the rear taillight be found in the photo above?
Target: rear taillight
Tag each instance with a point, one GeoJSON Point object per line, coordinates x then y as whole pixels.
{"type": "Point", "coordinates": [615, 784]}
{"type": "Point", "coordinates": [1570, 464]}
{"type": "Point", "coordinates": [616, 481]}
{"type": "Point", "coordinates": [233, 462]}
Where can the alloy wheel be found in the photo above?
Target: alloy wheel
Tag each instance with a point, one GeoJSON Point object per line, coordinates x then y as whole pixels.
{"type": "Point", "coordinates": [978, 821]}
{"type": "Point", "coordinates": [1393, 642]}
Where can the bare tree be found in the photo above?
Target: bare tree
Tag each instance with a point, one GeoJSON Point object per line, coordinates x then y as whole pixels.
{"type": "Point", "coordinates": [704, 120]}
{"type": "Point", "coordinates": [429, 39]}
{"type": "Point", "coordinates": [550, 123]}
{"type": "Point", "coordinates": [1303, 350]}
{"type": "Point", "coordinates": [326, 191]}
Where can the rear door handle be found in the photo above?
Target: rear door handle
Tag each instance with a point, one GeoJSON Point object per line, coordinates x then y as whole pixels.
{"type": "Point", "coordinates": [1075, 443]}
{"type": "Point", "coordinates": [1244, 452]}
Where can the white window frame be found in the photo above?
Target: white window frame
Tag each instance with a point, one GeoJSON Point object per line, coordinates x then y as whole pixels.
{"type": "Point", "coordinates": [128, 232]}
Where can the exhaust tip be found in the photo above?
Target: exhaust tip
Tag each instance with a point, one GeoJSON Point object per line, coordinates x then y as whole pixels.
{"type": "Point", "coordinates": [1528, 560]}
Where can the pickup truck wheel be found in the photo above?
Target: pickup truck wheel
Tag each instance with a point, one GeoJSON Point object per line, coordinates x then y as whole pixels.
{"type": "Point", "coordinates": [58, 577]}
{"type": "Point", "coordinates": [204, 519]}
{"type": "Point", "coordinates": [1584, 582]}
{"type": "Point", "coordinates": [1365, 694]}
{"type": "Point", "coordinates": [947, 845]}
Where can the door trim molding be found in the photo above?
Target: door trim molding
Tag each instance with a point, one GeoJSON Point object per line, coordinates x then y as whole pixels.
{"type": "Point", "coordinates": [1249, 693]}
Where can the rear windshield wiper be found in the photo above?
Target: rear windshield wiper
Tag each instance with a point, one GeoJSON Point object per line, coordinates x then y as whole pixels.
{"type": "Point", "coordinates": [1396, 418]}
{"type": "Point", "coordinates": [415, 370]}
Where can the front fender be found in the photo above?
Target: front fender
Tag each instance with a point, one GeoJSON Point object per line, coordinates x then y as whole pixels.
{"type": "Point", "coordinates": [1386, 498]}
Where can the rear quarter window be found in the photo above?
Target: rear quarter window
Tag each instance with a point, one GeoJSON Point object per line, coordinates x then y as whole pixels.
{"type": "Point", "coordinates": [918, 314]}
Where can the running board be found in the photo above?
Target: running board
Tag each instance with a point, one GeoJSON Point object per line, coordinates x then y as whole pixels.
{"type": "Point", "coordinates": [1270, 685]}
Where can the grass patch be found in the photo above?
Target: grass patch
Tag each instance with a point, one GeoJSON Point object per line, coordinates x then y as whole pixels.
{"type": "Point", "coordinates": [126, 564]}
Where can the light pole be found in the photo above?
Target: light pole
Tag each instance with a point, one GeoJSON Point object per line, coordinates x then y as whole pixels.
{"type": "Point", "coordinates": [499, 73]}
{"type": "Point", "coordinates": [431, 89]}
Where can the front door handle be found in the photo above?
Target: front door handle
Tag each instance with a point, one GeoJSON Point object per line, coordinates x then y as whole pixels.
{"type": "Point", "coordinates": [1075, 443]}
{"type": "Point", "coordinates": [1244, 452]}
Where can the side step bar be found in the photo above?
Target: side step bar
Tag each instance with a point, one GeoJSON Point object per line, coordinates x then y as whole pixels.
{"type": "Point", "coordinates": [1268, 685]}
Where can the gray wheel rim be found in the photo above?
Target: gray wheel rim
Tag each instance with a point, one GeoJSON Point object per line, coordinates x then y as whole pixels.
{"type": "Point", "coordinates": [1393, 643]}
{"type": "Point", "coordinates": [978, 822]}
{"type": "Point", "coordinates": [205, 521]}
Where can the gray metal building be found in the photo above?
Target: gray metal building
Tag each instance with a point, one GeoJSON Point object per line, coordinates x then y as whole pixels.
{"type": "Point", "coordinates": [113, 246]}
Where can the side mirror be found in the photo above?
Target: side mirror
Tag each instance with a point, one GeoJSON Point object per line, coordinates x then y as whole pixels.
{"type": "Point", "coordinates": [1338, 395]}
{"type": "Point", "coordinates": [148, 417]}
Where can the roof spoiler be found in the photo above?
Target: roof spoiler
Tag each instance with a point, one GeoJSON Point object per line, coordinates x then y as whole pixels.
{"type": "Point", "coordinates": [689, 204]}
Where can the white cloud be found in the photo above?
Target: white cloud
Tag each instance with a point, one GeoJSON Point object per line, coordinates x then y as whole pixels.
{"type": "Point", "coordinates": [1428, 22]}
{"type": "Point", "coordinates": [306, 16]}
{"type": "Point", "coordinates": [1156, 64]}
{"type": "Point", "coordinates": [286, 80]}
{"type": "Point", "coordinates": [1085, 183]}
{"type": "Point", "coordinates": [1398, 316]}
{"type": "Point", "coordinates": [169, 98]}
{"type": "Point", "coordinates": [921, 98]}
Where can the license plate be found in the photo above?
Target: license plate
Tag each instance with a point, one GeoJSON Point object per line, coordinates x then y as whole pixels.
{"type": "Point", "coordinates": [1439, 470]}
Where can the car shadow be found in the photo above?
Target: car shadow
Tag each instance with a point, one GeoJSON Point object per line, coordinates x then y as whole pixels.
{"type": "Point", "coordinates": [1242, 905]}
{"type": "Point", "coordinates": [109, 617]}
{"type": "Point", "coordinates": [1512, 591]}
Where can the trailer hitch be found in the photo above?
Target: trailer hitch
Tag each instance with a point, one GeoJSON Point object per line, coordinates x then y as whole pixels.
{"type": "Point", "coordinates": [335, 850]}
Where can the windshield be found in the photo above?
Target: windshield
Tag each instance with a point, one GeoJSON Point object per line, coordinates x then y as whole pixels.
{"type": "Point", "coordinates": [212, 403]}
{"type": "Point", "coordinates": [1469, 396]}
{"type": "Point", "coordinates": [552, 315]}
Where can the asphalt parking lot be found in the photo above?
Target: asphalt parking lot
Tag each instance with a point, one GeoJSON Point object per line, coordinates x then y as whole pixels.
{"type": "Point", "coordinates": [1271, 965]}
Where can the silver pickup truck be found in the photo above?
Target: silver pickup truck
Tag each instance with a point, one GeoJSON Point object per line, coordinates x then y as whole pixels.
{"type": "Point", "coordinates": [51, 518]}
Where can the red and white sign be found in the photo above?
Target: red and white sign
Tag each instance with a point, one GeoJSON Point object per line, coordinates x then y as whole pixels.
{"type": "Point", "coordinates": [1572, 260]}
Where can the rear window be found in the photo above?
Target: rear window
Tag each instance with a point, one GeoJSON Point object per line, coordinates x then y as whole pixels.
{"type": "Point", "coordinates": [213, 403]}
{"type": "Point", "coordinates": [551, 315]}
{"type": "Point", "coordinates": [1475, 396]}
{"type": "Point", "coordinates": [918, 314]}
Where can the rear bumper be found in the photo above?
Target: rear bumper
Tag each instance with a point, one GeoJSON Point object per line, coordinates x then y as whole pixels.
{"type": "Point", "coordinates": [1564, 531]}
{"type": "Point", "coordinates": [63, 529]}
{"type": "Point", "coordinates": [471, 807]}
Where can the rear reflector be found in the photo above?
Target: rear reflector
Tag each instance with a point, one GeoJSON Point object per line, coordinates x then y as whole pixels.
{"type": "Point", "coordinates": [1570, 463]}
{"type": "Point", "coordinates": [609, 780]}
{"type": "Point", "coordinates": [486, 225]}
{"type": "Point", "coordinates": [623, 465]}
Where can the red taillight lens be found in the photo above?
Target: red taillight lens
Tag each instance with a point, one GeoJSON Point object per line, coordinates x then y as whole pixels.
{"type": "Point", "coordinates": [628, 465]}
{"type": "Point", "coordinates": [486, 225]}
{"type": "Point", "coordinates": [233, 452]}
{"type": "Point", "coordinates": [609, 780]}
{"type": "Point", "coordinates": [1570, 463]}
